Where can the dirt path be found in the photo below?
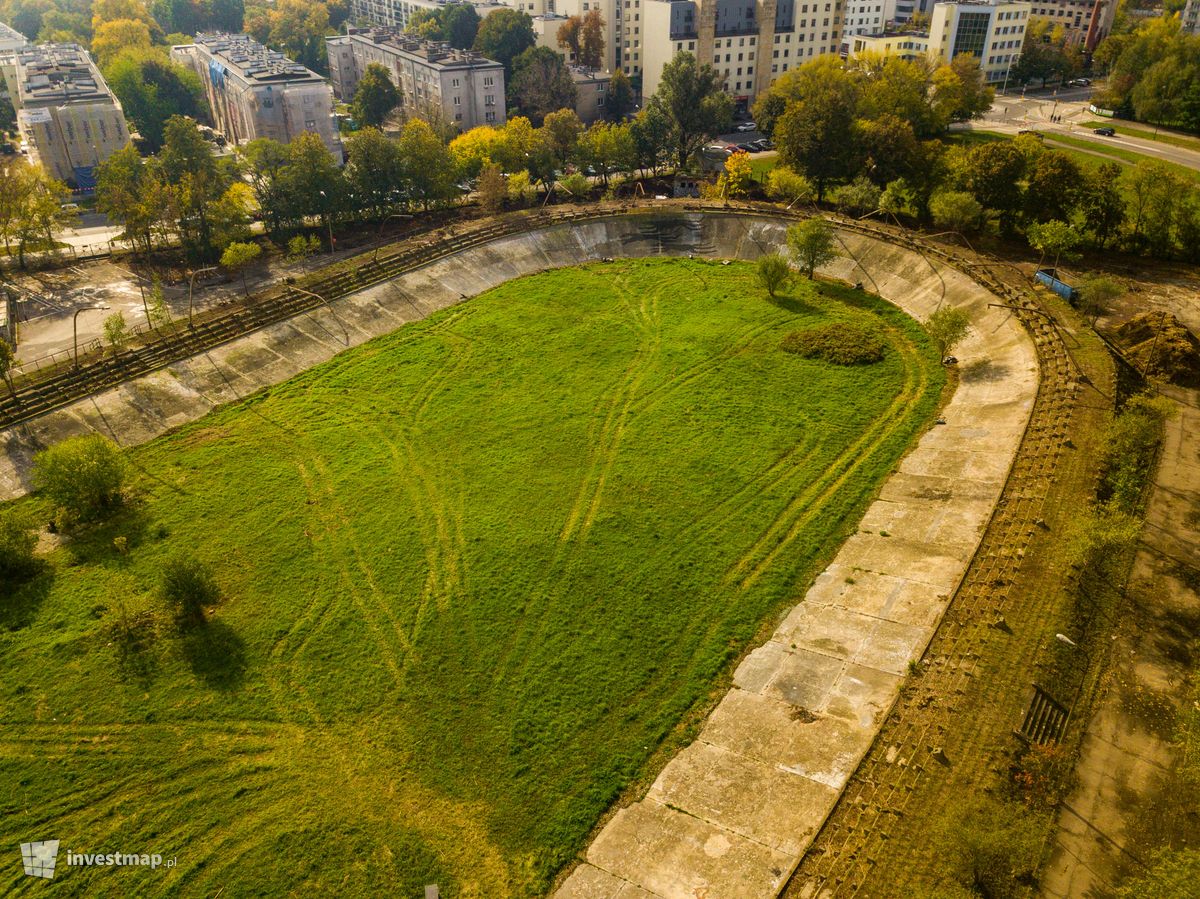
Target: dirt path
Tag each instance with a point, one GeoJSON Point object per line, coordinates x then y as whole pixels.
{"type": "Point", "coordinates": [1123, 805]}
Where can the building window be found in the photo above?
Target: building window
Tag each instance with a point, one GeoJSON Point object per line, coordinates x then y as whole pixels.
{"type": "Point", "coordinates": [490, 117]}
{"type": "Point", "coordinates": [489, 100]}
{"type": "Point", "coordinates": [488, 81]}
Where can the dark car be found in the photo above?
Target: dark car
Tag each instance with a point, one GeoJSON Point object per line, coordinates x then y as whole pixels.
{"type": "Point", "coordinates": [1105, 132]}
{"type": "Point", "coordinates": [748, 148]}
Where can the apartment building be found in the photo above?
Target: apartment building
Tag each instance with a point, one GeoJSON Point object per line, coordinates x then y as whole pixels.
{"type": "Point", "coordinates": [591, 94]}
{"type": "Point", "coordinates": [1190, 17]}
{"type": "Point", "coordinates": [991, 32]}
{"type": "Point", "coordinates": [750, 44]}
{"type": "Point", "coordinates": [67, 116]}
{"type": "Point", "coordinates": [396, 13]}
{"type": "Point", "coordinates": [1084, 21]}
{"type": "Point", "coordinates": [255, 92]}
{"type": "Point", "coordinates": [461, 85]}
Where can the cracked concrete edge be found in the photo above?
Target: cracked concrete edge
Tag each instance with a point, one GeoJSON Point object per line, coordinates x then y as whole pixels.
{"type": "Point", "coordinates": [732, 814]}
{"type": "Point", "coordinates": [805, 706]}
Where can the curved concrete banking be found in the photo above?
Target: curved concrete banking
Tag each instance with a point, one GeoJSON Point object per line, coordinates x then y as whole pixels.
{"type": "Point", "coordinates": [732, 814]}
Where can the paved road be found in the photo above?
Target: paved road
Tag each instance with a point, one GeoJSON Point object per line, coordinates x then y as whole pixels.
{"type": "Point", "coordinates": [1014, 112]}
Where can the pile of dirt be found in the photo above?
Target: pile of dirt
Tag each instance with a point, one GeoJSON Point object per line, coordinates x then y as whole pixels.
{"type": "Point", "coordinates": [1160, 346]}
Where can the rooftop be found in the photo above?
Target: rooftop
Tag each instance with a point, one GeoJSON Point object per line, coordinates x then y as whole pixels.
{"type": "Point", "coordinates": [252, 60]}
{"type": "Point", "coordinates": [56, 74]}
{"type": "Point", "coordinates": [436, 53]}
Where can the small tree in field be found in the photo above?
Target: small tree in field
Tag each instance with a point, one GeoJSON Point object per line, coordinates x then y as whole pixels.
{"type": "Point", "coordinates": [187, 587]}
{"type": "Point", "coordinates": [789, 187]}
{"type": "Point", "coordinates": [774, 273]}
{"type": "Point", "coordinates": [116, 331]}
{"type": "Point", "coordinates": [1053, 238]}
{"type": "Point", "coordinates": [737, 176]}
{"type": "Point", "coordinates": [813, 244]}
{"type": "Point", "coordinates": [1096, 292]}
{"type": "Point", "coordinates": [948, 326]}
{"type": "Point", "coordinates": [955, 210]}
{"type": "Point", "coordinates": [237, 256]}
{"type": "Point", "coordinates": [17, 542]}
{"type": "Point", "coordinates": [84, 476]}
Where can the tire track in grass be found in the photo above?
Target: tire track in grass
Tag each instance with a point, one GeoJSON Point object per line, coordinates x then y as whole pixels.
{"type": "Point", "coordinates": [800, 511]}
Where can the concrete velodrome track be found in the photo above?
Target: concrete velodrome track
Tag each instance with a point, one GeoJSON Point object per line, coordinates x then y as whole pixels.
{"type": "Point", "coordinates": [732, 814]}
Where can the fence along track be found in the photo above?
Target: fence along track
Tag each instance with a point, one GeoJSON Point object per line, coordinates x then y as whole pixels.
{"type": "Point", "coordinates": [42, 393]}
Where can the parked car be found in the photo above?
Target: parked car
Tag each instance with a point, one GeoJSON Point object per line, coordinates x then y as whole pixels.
{"type": "Point", "coordinates": [1105, 132]}
{"type": "Point", "coordinates": [747, 126]}
{"type": "Point", "coordinates": [748, 148]}
{"type": "Point", "coordinates": [1079, 82]}
{"type": "Point", "coordinates": [762, 143]}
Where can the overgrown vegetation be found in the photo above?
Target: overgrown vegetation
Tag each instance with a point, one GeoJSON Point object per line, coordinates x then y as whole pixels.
{"type": "Point", "coordinates": [991, 847]}
{"type": "Point", "coordinates": [840, 343]}
{"type": "Point", "coordinates": [473, 574]}
{"type": "Point", "coordinates": [83, 476]}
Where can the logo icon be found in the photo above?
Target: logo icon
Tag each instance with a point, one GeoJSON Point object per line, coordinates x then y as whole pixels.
{"type": "Point", "coordinates": [39, 858]}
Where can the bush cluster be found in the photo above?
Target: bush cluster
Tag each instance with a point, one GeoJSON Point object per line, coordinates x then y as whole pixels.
{"type": "Point", "coordinates": [842, 343]}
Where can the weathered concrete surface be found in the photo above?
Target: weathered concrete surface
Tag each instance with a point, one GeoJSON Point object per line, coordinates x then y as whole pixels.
{"type": "Point", "coordinates": [1112, 821]}
{"type": "Point", "coordinates": [732, 814]}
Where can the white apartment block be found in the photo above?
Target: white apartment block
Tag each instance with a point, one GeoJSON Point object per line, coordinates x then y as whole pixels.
{"type": "Point", "coordinates": [750, 44]}
{"type": "Point", "coordinates": [1190, 17]}
{"type": "Point", "coordinates": [868, 17]}
{"type": "Point", "coordinates": [1084, 21]}
{"type": "Point", "coordinates": [396, 13]}
{"type": "Point", "coordinates": [255, 92]}
{"type": "Point", "coordinates": [68, 118]}
{"type": "Point", "coordinates": [991, 32]}
{"type": "Point", "coordinates": [461, 85]}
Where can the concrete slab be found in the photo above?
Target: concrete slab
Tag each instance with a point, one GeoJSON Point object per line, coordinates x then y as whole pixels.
{"type": "Point", "coordinates": [678, 856]}
{"type": "Point", "coordinates": [759, 800]}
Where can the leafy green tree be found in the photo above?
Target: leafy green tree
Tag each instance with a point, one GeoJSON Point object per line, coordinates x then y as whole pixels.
{"type": "Point", "coordinates": [541, 84]}
{"type": "Point", "coordinates": [374, 170]}
{"type": "Point", "coordinates": [576, 185]}
{"type": "Point", "coordinates": [787, 186]}
{"type": "Point", "coordinates": [503, 36]}
{"type": "Point", "coordinates": [773, 273]}
{"type": "Point", "coordinates": [266, 162]}
{"type": "Point", "coordinates": [956, 210]}
{"type": "Point", "coordinates": [121, 34]}
{"type": "Point", "coordinates": [1102, 203]}
{"type": "Point", "coordinates": [959, 90]}
{"type": "Point", "coordinates": [298, 28]}
{"type": "Point", "coordinates": [619, 100]}
{"type": "Point", "coordinates": [900, 89]}
{"type": "Point", "coordinates": [151, 89]}
{"type": "Point", "coordinates": [561, 131]}
{"type": "Point", "coordinates": [591, 40]}
{"type": "Point", "coordinates": [569, 37]}
{"type": "Point", "coordinates": [1054, 187]}
{"type": "Point", "coordinates": [375, 96]}
{"type": "Point", "coordinates": [1096, 292]}
{"type": "Point", "coordinates": [651, 131]}
{"type": "Point", "coordinates": [993, 175]}
{"type": "Point", "coordinates": [691, 98]}
{"type": "Point", "coordinates": [459, 25]}
{"type": "Point", "coordinates": [188, 586]}
{"type": "Point", "coordinates": [991, 847]}
{"type": "Point", "coordinates": [816, 136]}
{"type": "Point", "coordinates": [197, 182]}
{"type": "Point", "coordinates": [134, 192]}
{"type": "Point", "coordinates": [429, 170]}
{"type": "Point", "coordinates": [1053, 238]}
{"type": "Point", "coordinates": [7, 357]}
{"type": "Point", "coordinates": [116, 331]}
{"type": "Point", "coordinates": [891, 149]}
{"type": "Point", "coordinates": [1173, 874]}
{"type": "Point", "coordinates": [18, 540]}
{"type": "Point", "coordinates": [608, 149]}
{"type": "Point", "coordinates": [948, 326]}
{"type": "Point", "coordinates": [314, 180]}
{"type": "Point", "coordinates": [238, 256]}
{"type": "Point", "coordinates": [492, 188]}
{"type": "Point", "coordinates": [813, 244]}
{"type": "Point", "coordinates": [84, 476]}
{"type": "Point", "coordinates": [858, 197]}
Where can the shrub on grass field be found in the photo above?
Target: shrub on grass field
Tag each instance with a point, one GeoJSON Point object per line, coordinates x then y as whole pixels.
{"type": "Point", "coordinates": [82, 475]}
{"type": "Point", "coordinates": [774, 273]}
{"type": "Point", "coordinates": [841, 343]}
{"type": "Point", "coordinates": [187, 587]}
{"type": "Point", "coordinates": [17, 542]}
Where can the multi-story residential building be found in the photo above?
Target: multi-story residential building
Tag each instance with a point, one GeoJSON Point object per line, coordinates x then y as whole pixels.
{"type": "Point", "coordinates": [751, 45]}
{"type": "Point", "coordinates": [591, 94]}
{"type": "Point", "coordinates": [868, 17]}
{"type": "Point", "coordinates": [396, 13]}
{"type": "Point", "coordinates": [1190, 17]}
{"type": "Point", "coordinates": [459, 85]}
{"type": "Point", "coordinates": [1083, 21]}
{"type": "Point", "coordinates": [991, 32]}
{"type": "Point", "coordinates": [255, 92]}
{"type": "Point", "coordinates": [68, 118]}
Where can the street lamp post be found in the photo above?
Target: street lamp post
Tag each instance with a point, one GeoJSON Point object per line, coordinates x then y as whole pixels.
{"type": "Point", "coordinates": [328, 220]}
{"type": "Point", "coordinates": [75, 327]}
{"type": "Point", "coordinates": [379, 234]}
{"type": "Point", "coordinates": [191, 286]}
